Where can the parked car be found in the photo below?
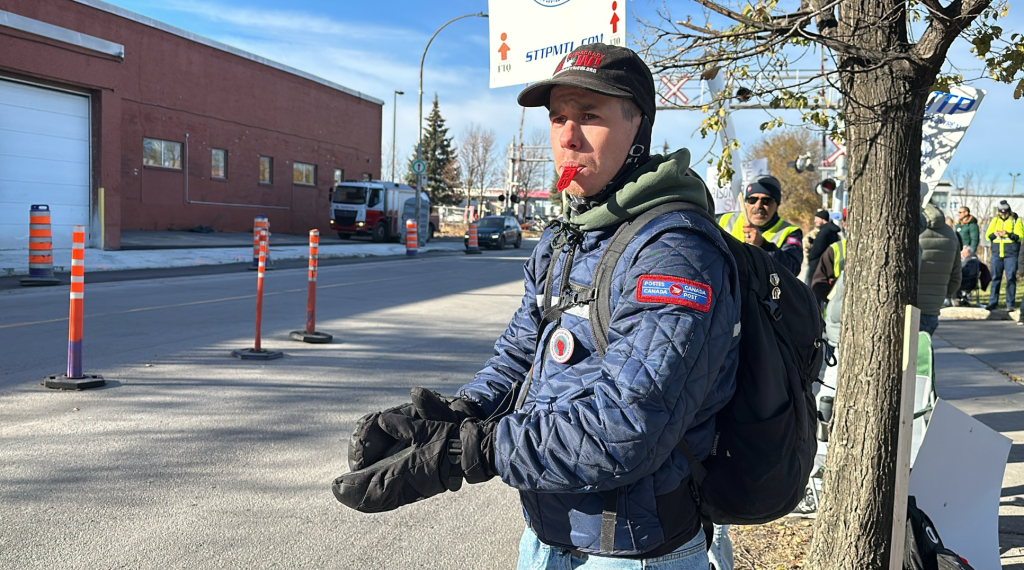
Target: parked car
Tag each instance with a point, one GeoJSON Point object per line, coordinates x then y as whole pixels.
{"type": "Point", "coordinates": [497, 232]}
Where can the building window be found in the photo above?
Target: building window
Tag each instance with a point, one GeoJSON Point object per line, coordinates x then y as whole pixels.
{"type": "Point", "coordinates": [367, 177]}
{"type": "Point", "coordinates": [219, 163]}
{"type": "Point", "coordinates": [339, 176]}
{"type": "Point", "coordinates": [304, 174]}
{"type": "Point", "coordinates": [266, 170]}
{"type": "Point", "coordinates": [166, 154]}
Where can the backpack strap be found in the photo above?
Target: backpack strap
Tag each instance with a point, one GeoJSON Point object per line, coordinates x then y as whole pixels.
{"type": "Point", "coordinates": [697, 475]}
{"type": "Point", "coordinates": [565, 235]}
{"type": "Point", "coordinates": [600, 309]}
{"type": "Point", "coordinates": [609, 512]}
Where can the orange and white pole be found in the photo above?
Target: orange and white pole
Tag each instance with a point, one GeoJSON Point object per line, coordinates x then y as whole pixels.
{"type": "Point", "coordinates": [261, 270]}
{"type": "Point", "coordinates": [473, 243]}
{"type": "Point", "coordinates": [310, 335]}
{"type": "Point", "coordinates": [314, 255]}
{"type": "Point", "coordinates": [259, 224]}
{"type": "Point", "coordinates": [257, 352]}
{"type": "Point", "coordinates": [40, 248]}
{"type": "Point", "coordinates": [411, 245]}
{"type": "Point", "coordinates": [77, 302]}
{"type": "Point", "coordinates": [74, 379]}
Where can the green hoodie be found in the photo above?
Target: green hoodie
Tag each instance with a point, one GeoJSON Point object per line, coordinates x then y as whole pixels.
{"type": "Point", "coordinates": [661, 179]}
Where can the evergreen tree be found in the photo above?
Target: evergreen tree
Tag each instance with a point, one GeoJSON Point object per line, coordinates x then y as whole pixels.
{"type": "Point", "coordinates": [441, 179]}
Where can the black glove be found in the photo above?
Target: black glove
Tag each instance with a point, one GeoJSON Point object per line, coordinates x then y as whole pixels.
{"type": "Point", "coordinates": [428, 466]}
{"type": "Point", "coordinates": [370, 443]}
{"type": "Point", "coordinates": [477, 450]}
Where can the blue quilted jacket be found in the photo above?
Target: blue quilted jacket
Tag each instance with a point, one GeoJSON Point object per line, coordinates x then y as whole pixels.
{"type": "Point", "coordinates": [597, 427]}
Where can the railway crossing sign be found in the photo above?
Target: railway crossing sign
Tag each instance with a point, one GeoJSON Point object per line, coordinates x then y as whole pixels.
{"type": "Point", "coordinates": [673, 90]}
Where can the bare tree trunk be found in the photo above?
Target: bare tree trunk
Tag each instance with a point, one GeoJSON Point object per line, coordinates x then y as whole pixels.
{"type": "Point", "coordinates": [884, 109]}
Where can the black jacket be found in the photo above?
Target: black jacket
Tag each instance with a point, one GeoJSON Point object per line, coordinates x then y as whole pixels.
{"type": "Point", "coordinates": [828, 234]}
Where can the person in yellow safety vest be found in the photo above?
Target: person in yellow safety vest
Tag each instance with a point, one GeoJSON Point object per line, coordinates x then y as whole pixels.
{"type": "Point", "coordinates": [1006, 233]}
{"type": "Point", "coordinates": [760, 224]}
{"type": "Point", "coordinates": [829, 268]}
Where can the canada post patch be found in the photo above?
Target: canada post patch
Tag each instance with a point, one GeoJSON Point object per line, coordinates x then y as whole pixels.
{"type": "Point", "coordinates": [674, 290]}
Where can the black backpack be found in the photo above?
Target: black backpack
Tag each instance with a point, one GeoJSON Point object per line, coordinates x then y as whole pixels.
{"type": "Point", "coordinates": [765, 436]}
{"type": "Point", "coordinates": [923, 548]}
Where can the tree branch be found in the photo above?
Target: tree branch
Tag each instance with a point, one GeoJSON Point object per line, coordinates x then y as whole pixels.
{"type": "Point", "coordinates": [939, 35]}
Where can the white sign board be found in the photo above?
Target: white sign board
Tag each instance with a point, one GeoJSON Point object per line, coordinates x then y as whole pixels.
{"type": "Point", "coordinates": [725, 199]}
{"type": "Point", "coordinates": [528, 38]}
{"type": "Point", "coordinates": [946, 119]}
{"type": "Point", "coordinates": [751, 169]}
{"type": "Point", "coordinates": [958, 479]}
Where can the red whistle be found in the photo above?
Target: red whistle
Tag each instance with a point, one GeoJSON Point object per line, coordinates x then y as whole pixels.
{"type": "Point", "coordinates": [567, 175]}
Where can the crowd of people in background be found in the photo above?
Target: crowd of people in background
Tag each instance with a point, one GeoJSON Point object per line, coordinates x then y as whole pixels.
{"type": "Point", "coordinates": [951, 273]}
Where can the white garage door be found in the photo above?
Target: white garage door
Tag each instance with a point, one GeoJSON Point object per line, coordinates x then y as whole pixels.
{"type": "Point", "coordinates": [44, 159]}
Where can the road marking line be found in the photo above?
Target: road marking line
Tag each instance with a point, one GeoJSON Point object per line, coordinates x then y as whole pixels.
{"type": "Point", "coordinates": [206, 302]}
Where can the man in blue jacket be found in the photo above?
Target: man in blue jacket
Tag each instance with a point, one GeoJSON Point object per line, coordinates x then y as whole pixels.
{"type": "Point", "coordinates": [587, 435]}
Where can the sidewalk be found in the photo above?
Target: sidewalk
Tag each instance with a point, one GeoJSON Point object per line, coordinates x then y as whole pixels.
{"type": "Point", "coordinates": [152, 250]}
{"type": "Point", "coordinates": [976, 365]}
{"type": "Point", "coordinates": [133, 240]}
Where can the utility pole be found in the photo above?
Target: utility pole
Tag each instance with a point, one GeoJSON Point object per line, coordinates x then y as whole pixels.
{"type": "Point", "coordinates": [394, 128]}
{"type": "Point", "coordinates": [419, 122]}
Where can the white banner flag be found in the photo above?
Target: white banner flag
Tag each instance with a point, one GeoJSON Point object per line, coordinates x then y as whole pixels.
{"type": "Point", "coordinates": [529, 37]}
{"type": "Point", "coordinates": [945, 121]}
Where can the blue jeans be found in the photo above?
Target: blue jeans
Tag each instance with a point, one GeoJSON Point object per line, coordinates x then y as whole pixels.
{"type": "Point", "coordinates": [998, 266]}
{"type": "Point", "coordinates": [929, 323]}
{"type": "Point", "coordinates": [535, 555]}
{"type": "Point", "coordinates": [720, 554]}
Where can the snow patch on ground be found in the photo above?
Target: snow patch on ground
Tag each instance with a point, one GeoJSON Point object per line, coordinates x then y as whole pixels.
{"type": "Point", "coordinates": [15, 262]}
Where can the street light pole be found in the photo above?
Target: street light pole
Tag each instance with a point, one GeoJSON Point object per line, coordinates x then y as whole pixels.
{"type": "Point", "coordinates": [419, 122]}
{"type": "Point", "coordinates": [394, 128]}
{"type": "Point", "coordinates": [1014, 185]}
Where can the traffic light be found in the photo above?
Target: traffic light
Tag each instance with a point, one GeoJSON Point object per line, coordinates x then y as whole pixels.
{"type": "Point", "coordinates": [825, 187]}
{"type": "Point", "coordinates": [501, 197]}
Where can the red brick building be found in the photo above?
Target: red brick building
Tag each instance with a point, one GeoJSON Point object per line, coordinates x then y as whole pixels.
{"type": "Point", "coordinates": [178, 130]}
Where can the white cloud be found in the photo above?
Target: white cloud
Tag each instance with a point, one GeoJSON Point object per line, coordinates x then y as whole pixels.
{"type": "Point", "coordinates": [290, 22]}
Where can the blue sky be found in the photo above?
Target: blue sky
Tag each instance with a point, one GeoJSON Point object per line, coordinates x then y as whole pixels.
{"type": "Point", "coordinates": [375, 47]}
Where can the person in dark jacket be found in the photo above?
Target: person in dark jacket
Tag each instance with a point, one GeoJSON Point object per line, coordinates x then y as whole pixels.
{"type": "Point", "coordinates": [828, 234]}
{"type": "Point", "coordinates": [588, 437]}
{"type": "Point", "coordinates": [759, 224]}
{"type": "Point", "coordinates": [829, 267]}
{"type": "Point", "coordinates": [970, 274]}
{"type": "Point", "coordinates": [939, 275]}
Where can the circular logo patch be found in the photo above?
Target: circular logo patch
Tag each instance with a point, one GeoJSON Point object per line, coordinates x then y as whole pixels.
{"type": "Point", "coordinates": [561, 345]}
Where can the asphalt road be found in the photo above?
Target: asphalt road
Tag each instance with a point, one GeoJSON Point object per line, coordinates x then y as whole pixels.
{"type": "Point", "coordinates": [189, 458]}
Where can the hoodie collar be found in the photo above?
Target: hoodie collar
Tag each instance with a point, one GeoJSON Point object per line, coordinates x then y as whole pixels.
{"type": "Point", "coordinates": [660, 180]}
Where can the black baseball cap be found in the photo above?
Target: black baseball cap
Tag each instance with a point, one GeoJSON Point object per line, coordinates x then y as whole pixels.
{"type": "Point", "coordinates": [608, 70]}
